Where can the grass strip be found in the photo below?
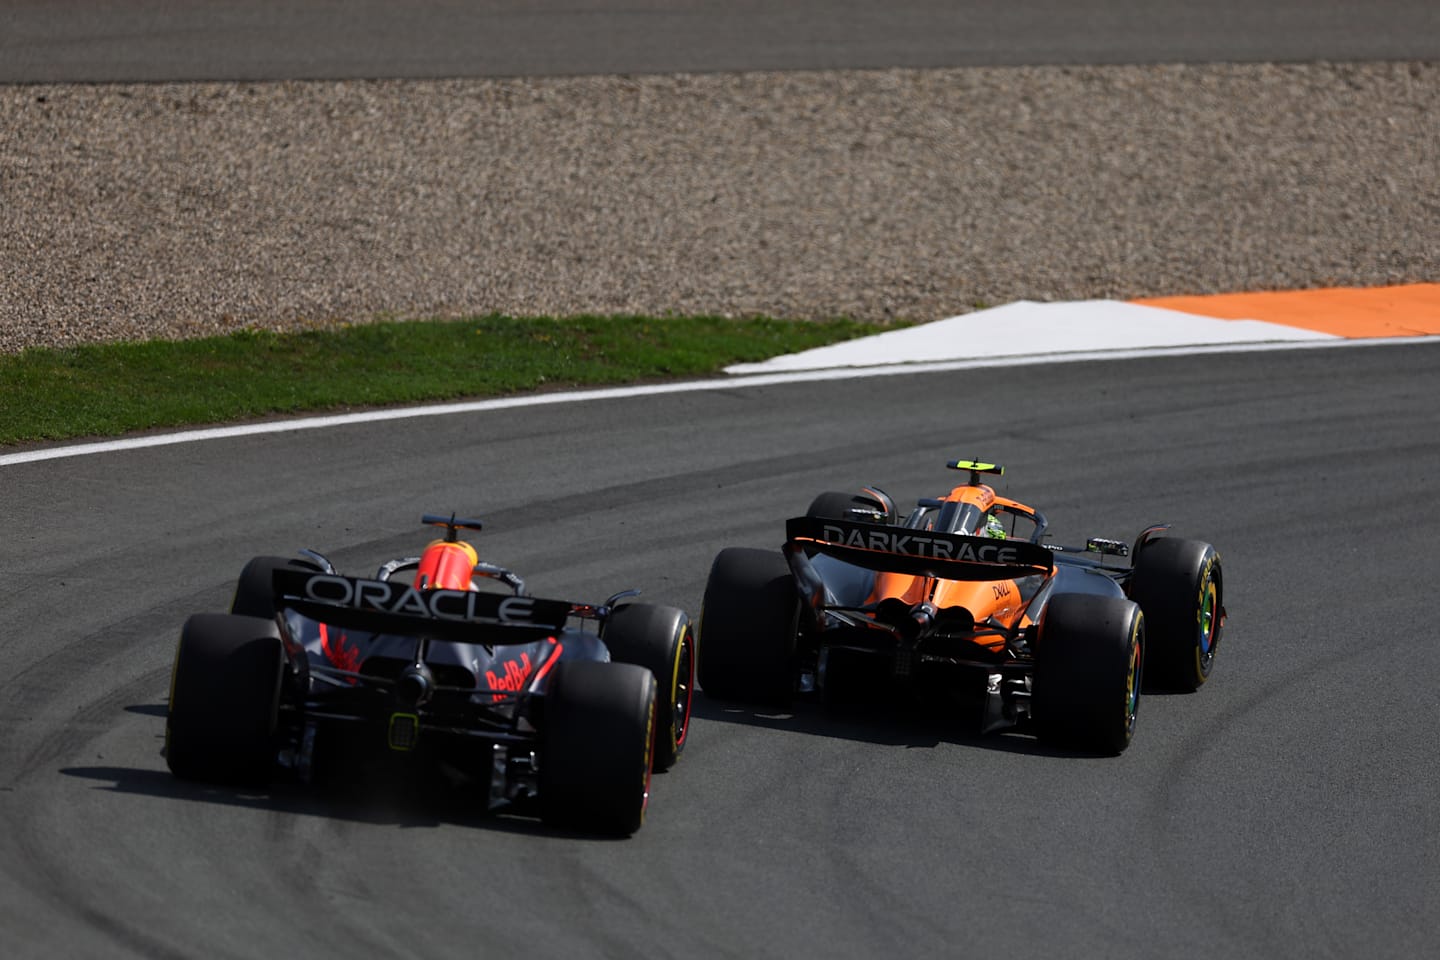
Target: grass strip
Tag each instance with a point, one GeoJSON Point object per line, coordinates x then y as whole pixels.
{"type": "Point", "coordinates": [106, 390]}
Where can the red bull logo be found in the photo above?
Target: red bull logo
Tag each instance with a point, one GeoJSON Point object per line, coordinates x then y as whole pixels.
{"type": "Point", "coordinates": [516, 674]}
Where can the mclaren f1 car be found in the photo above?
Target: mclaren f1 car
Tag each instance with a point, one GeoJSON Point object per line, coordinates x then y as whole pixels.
{"type": "Point", "coordinates": [965, 604]}
{"type": "Point", "coordinates": [441, 659]}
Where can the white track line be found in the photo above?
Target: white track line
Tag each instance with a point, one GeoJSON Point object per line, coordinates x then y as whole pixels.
{"type": "Point", "coordinates": [615, 393]}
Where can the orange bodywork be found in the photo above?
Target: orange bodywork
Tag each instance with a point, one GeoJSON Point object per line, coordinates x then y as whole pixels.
{"type": "Point", "coordinates": [446, 565]}
{"type": "Point", "coordinates": [984, 599]}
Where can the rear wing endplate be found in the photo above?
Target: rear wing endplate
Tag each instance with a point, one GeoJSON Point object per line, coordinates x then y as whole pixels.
{"type": "Point", "coordinates": [920, 553]}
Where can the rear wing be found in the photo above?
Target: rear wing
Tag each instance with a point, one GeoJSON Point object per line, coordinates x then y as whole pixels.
{"type": "Point", "coordinates": [919, 553]}
{"type": "Point", "coordinates": [387, 606]}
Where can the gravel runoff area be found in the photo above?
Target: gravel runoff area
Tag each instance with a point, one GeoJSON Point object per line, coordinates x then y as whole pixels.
{"type": "Point", "coordinates": [177, 210]}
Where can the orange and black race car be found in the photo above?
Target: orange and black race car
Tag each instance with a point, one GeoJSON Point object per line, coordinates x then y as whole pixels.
{"type": "Point", "coordinates": [440, 662]}
{"type": "Point", "coordinates": [966, 605]}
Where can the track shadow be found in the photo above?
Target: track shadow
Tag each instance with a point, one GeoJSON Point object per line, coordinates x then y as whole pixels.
{"type": "Point", "coordinates": [404, 795]}
{"type": "Point", "coordinates": [888, 721]}
{"type": "Point", "coordinates": [405, 805]}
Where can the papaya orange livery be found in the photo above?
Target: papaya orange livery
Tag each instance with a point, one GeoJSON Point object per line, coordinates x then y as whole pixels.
{"type": "Point", "coordinates": [966, 604]}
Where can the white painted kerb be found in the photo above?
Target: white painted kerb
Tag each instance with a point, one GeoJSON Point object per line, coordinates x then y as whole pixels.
{"type": "Point", "coordinates": [1035, 329]}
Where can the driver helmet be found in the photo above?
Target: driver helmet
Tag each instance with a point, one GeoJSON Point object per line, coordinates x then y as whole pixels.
{"type": "Point", "coordinates": [446, 565]}
{"type": "Point", "coordinates": [994, 528]}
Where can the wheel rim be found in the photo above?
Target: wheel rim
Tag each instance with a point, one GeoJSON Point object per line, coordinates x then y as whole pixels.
{"type": "Point", "coordinates": [1132, 683]}
{"type": "Point", "coordinates": [1206, 620]}
{"type": "Point", "coordinates": [683, 688]}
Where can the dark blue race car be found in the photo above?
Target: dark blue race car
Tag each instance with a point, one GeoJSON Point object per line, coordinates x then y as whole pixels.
{"type": "Point", "coordinates": [439, 659]}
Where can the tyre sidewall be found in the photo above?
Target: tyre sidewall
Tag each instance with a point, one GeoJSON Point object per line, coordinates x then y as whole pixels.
{"type": "Point", "coordinates": [1178, 583]}
{"type": "Point", "coordinates": [661, 640]}
{"type": "Point", "coordinates": [1089, 672]}
{"type": "Point", "coordinates": [596, 753]}
{"type": "Point", "coordinates": [749, 622]}
{"type": "Point", "coordinates": [221, 725]}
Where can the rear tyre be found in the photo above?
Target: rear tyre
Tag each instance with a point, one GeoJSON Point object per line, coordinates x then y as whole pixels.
{"type": "Point", "coordinates": [1089, 665]}
{"type": "Point", "coordinates": [255, 590]}
{"type": "Point", "coordinates": [595, 746]}
{"type": "Point", "coordinates": [748, 624]}
{"type": "Point", "coordinates": [224, 699]}
{"type": "Point", "coordinates": [660, 640]}
{"type": "Point", "coordinates": [1179, 585]}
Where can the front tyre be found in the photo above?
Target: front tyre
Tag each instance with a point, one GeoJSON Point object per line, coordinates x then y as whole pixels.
{"type": "Point", "coordinates": [224, 699]}
{"type": "Point", "coordinates": [1180, 586]}
{"type": "Point", "coordinates": [748, 625]}
{"type": "Point", "coordinates": [1089, 666]}
{"type": "Point", "coordinates": [255, 590]}
{"type": "Point", "coordinates": [595, 746]}
{"type": "Point", "coordinates": [834, 505]}
{"type": "Point", "coordinates": [661, 640]}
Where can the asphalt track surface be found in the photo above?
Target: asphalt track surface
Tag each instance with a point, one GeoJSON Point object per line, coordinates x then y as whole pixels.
{"type": "Point", "coordinates": [1287, 809]}
{"type": "Point", "coordinates": [136, 40]}
{"type": "Point", "coordinates": [1290, 808]}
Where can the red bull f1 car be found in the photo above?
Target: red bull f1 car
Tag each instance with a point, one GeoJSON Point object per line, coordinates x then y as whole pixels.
{"type": "Point", "coordinates": [566, 707]}
{"type": "Point", "coordinates": [964, 604]}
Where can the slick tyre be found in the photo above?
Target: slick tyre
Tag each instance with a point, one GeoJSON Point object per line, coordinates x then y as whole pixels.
{"type": "Point", "coordinates": [833, 505]}
{"type": "Point", "coordinates": [1180, 586]}
{"type": "Point", "coordinates": [748, 625]}
{"type": "Point", "coordinates": [595, 747]}
{"type": "Point", "coordinates": [1089, 666]}
{"type": "Point", "coordinates": [255, 590]}
{"type": "Point", "coordinates": [661, 640]}
{"type": "Point", "coordinates": [224, 699]}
